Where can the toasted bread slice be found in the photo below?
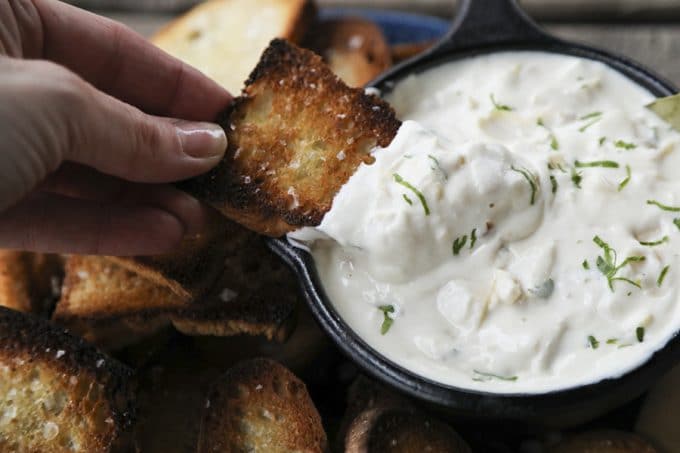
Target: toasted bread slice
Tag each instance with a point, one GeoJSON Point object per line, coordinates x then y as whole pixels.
{"type": "Point", "coordinates": [354, 48]}
{"type": "Point", "coordinates": [58, 394]}
{"type": "Point", "coordinates": [379, 420]}
{"type": "Point", "coordinates": [260, 406]}
{"type": "Point", "coordinates": [223, 38]}
{"type": "Point", "coordinates": [295, 137]}
{"type": "Point", "coordinates": [605, 441]}
{"type": "Point", "coordinates": [191, 270]}
{"type": "Point", "coordinates": [401, 431]}
{"type": "Point", "coordinates": [257, 294]}
{"type": "Point", "coordinates": [405, 51]}
{"type": "Point", "coordinates": [109, 305]}
{"type": "Point", "coordinates": [29, 282]}
{"type": "Point", "coordinates": [114, 307]}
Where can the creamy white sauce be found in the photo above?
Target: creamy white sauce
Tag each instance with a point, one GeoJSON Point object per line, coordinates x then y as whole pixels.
{"type": "Point", "coordinates": [517, 311]}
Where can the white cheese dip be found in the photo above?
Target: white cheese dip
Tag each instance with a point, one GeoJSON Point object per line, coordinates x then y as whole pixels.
{"type": "Point", "coordinates": [468, 252]}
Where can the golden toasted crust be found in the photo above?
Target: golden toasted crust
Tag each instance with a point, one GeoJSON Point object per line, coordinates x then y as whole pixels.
{"type": "Point", "coordinates": [113, 307]}
{"type": "Point", "coordinates": [296, 135]}
{"type": "Point", "coordinates": [605, 441]}
{"type": "Point", "coordinates": [354, 48]}
{"type": "Point", "coordinates": [29, 282]}
{"type": "Point", "coordinates": [260, 406]}
{"type": "Point", "coordinates": [58, 393]}
{"type": "Point", "coordinates": [191, 270]}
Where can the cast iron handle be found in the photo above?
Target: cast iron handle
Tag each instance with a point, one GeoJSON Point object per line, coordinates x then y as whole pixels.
{"type": "Point", "coordinates": [479, 23]}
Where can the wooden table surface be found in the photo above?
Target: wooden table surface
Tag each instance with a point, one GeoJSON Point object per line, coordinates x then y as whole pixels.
{"type": "Point", "coordinates": [654, 44]}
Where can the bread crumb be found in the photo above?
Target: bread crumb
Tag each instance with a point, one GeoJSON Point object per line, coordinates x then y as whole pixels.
{"type": "Point", "coordinates": [227, 295]}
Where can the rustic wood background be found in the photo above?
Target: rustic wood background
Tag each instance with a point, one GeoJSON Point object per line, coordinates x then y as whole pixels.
{"type": "Point", "coordinates": [653, 38]}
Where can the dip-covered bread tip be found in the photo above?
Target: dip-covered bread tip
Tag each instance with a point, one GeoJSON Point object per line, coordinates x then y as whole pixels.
{"type": "Point", "coordinates": [57, 393]}
{"type": "Point", "coordinates": [296, 135]}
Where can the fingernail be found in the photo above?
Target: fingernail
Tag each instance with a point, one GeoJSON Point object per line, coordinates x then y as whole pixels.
{"type": "Point", "coordinates": [202, 140]}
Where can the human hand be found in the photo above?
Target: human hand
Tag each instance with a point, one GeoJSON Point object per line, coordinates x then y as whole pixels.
{"type": "Point", "coordinates": [82, 167]}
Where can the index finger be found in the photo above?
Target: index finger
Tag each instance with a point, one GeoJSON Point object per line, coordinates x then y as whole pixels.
{"type": "Point", "coordinates": [123, 64]}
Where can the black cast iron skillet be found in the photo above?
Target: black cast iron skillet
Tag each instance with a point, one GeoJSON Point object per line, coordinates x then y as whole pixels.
{"type": "Point", "coordinates": [484, 26]}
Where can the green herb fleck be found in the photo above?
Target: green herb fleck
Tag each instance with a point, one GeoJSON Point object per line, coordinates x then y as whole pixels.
{"type": "Point", "coordinates": [593, 342]}
{"type": "Point", "coordinates": [407, 199]}
{"type": "Point", "coordinates": [399, 180]}
{"type": "Point", "coordinates": [626, 345]}
{"type": "Point", "coordinates": [585, 265]}
{"type": "Point", "coordinates": [595, 117]}
{"type": "Point", "coordinates": [458, 244]}
{"type": "Point", "coordinates": [530, 179]}
{"type": "Point", "coordinates": [576, 178]}
{"type": "Point", "coordinates": [625, 182]}
{"type": "Point", "coordinates": [663, 206]}
{"type": "Point", "coordinates": [596, 163]}
{"type": "Point", "coordinates": [654, 243]}
{"type": "Point", "coordinates": [612, 341]}
{"type": "Point", "coordinates": [607, 264]}
{"type": "Point", "coordinates": [591, 116]}
{"type": "Point", "coordinates": [473, 238]}
{"type": "Point", "coordinates": [387, 320]}
{"type": "Point", "coordinates": [554, 144]}
{"type": "Point", "coordinates": [438, 167]}
{"type": "Point", "coordinates": [662, 276]}
{"type": "Point", "coordinates": [624, 145]}
{"type": "Point", "coordinates": [640, 334]}
{"type": "Point", "coordinates": [482, 376]}
{"type": "Point", "coordinates": [553, 183]}
{"type": "Point", "coordinates": [602, 140]}
{"type": "Point", "coordinates": [498, 106]}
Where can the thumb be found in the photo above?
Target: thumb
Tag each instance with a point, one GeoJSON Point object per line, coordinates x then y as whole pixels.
{"type": "Point", "coordinates": [120, 140]}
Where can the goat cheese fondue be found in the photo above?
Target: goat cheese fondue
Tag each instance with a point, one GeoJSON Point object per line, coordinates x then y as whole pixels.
{"type": "Point", "coordinates": [521, 232]}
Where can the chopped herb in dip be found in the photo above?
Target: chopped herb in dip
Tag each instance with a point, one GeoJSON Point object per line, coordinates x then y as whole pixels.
{"type": "Point", "coordinates": [483, 376]}
{"type": "Point", "coordinates": [399, 180]}
{"type": "Point", "coordinates": [530, 179]}
{"type": "Point", "coordinates": [665, 207]}
{"type": "Point", "coordinates": [625, 182]}
{"type": "Point", "coordinates": [497, 106]}
{"type": "Point", "coordinates": [608, 266]}
{"type": "Point", "coordinates": [662, 276]}
{"type": "Point", "coordinates": [387, 319]}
